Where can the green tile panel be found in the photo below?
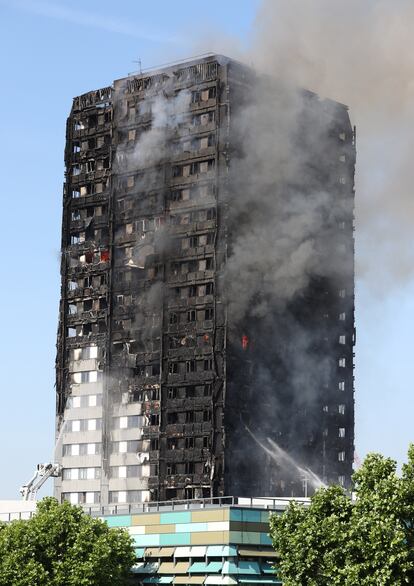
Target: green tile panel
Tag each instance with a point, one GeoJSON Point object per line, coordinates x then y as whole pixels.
{"type": "Point", "coordinates": [175, 517]}
{"type": "Point", "coordinates": [235, 514]}
{"type": "Point", "coordinates": [198, 568]}
{"type": "Point", "coordinates": [241, 567]}
{"type": "Point", "coordinates": [244, 537]}
{"type": "Point", "coordinates": [230, 550]}
{"type": "Point", "coordinates": [265, 516]}
{"type": "Point", "coordinates": [265, 539]}
{"type": "Point", "coordinates": [139, 552]}
{"type": "Point", "coordinates": [247, 515]}
{"type": "Point", "coordinates": [146, 540]}
{"type": "Point", "coordinates": [204, 568]}
{"type": "Point", "coordinates": [214, 567]}
{"type": "Point", "coordinates": [118, 521]}
{"type": "Point", "coordinates": [174, 539]}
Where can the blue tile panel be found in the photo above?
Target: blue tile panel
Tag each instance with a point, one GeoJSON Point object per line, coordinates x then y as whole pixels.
{"type": "Point", "coordinates": [204, 568]}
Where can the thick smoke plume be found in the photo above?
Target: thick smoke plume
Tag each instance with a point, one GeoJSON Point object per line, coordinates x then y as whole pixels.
{"type": "Point", "coordinates": [282, 212]}
{"type": "Point", "coordinates": [288, 179]}
{"type": "Point", "coordinates": [285, 207]}
{"type": "Point", "coordinates": [360, 53]}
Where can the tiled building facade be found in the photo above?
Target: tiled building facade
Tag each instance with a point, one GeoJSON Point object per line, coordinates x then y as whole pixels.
{"type": "Point", "coordinates": [210, 544]}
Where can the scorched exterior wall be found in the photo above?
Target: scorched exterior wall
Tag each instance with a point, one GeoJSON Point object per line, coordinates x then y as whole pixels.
{"type": "Point", "coordinates": [154, 387]}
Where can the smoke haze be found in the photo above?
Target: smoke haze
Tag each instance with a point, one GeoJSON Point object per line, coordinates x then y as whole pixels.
{"type": "Point", "coordinates": [359, 53]}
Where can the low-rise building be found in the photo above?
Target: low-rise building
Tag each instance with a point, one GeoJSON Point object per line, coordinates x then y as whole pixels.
{"type": "Point", "coordinates": [213, 541]}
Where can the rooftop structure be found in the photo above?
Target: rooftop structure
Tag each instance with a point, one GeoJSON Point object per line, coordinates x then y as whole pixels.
{"type": "Point", "coordinates": [16, 510]}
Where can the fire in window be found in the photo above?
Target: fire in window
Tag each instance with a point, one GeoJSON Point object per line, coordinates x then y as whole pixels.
{"type": "Point", "coordinates": [245, 342]}
{"type": "Point", "coordinates": [104, 255]}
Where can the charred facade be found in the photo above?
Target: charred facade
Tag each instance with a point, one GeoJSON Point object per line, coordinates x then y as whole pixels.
{"type": "Point", "coordinates": [163, 391]}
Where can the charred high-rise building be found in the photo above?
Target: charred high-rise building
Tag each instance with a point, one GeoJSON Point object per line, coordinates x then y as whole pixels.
{"type": "Point", "coordinates": [205, 342]}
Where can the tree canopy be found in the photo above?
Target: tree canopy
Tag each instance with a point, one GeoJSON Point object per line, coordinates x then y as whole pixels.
{"type": "Point", "coordinates": [62, 546]}
{"type": "Point", "coordinates": [367, 541]}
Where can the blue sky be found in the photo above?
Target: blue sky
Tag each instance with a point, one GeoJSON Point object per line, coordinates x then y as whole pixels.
{"type": "Point", "coordinates": [50, 52]}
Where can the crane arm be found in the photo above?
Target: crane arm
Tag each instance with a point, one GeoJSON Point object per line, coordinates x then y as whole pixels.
{"type": "Point", "coordinates": [41, 475]}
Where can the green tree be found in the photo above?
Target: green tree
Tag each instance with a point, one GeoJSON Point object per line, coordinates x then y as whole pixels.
{"type": "Point", "coordinates": [62, 546]}
{"type": "Point", "coordinates": [369, 541]}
